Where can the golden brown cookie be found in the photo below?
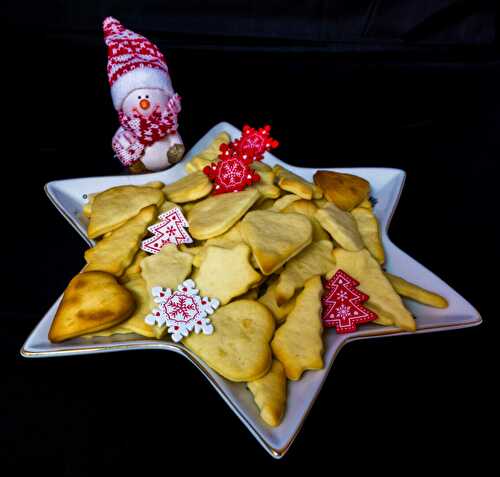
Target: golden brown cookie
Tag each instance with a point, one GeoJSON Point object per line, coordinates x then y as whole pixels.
{"type": "Point", "coordinates": [92, 301]}
{"type": "Point", "coordinates": [346, 191]}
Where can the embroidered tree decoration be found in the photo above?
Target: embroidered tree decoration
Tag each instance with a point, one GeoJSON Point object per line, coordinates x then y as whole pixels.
{"type": "Point", "coordinates": [342, 304]}
{"type": "Point", "coordinates": [170, 229]}
{"type": "Point", "coordinates": [232, 172]}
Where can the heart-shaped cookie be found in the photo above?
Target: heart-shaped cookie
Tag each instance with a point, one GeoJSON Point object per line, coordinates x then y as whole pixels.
{"type": "Point", "coordinates": [239, 347]}
{"type": "Point", "coordinates": [92, 301]}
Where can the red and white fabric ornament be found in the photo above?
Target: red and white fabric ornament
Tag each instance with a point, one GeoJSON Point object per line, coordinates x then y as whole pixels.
{"type": "Point", "coordinates": [232, 172]}
{"type": "Point", "coordinates": [342, 304]}
{"type": "Point", "coordinates": [254, 143]}
{"type": "Point", "coordinates": [182, 310]}
{"type": "Point", "coordinates": [170, 229]}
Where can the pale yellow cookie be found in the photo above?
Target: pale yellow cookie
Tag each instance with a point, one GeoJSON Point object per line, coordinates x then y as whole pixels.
{"type": "Point", "coordinates": [134, 268]}
{"type": "Point", "coordinates": [263, 204]}
{"type": "Point", "coordinates": [414, 292]}
{"type": "Point", "coordinates": [366, 204]}
{"type": "Point", "coordinates": [167, 205]}
{"type": "Point", "coordinates": [308, 208]}
{"type": "Point", "coordinates": [315, 259]}
{"type": "Point", "coordinates": [268, 299]}
{"type": "Point", "coordinates": [192, 249]}
{"type": "Point", "coordinates": [370, 233]}
{"type": "Point", "coordinates": [291, 182]}
{"type": "Point", "coordinates": [269, 393]}
{"type": "Point", "coordinates": [283, 202]}
{"type": "Point", "coordinates": [218, 213]}
{"type": "Point", "coordinates": [341, 226]}
{"type": "Point", "coordinates": [302, 206]}
{"type": "Point", "coordinates": [115, 253]}
{"type": "Point", "coordinates": [239, 347]}
{"type": "Point", "coordinates": [113, 207]}
{"type": "Point", "coordinates": [92, 301]}
{"type": "Point", "coordinates": [298, 343]}
{"type": "Point", "coordinates": [154, 184]}
{"type": "Point", "coordinates": [191, 187]}
{"type": "Point", "coordinates": [383, 298]}
{"type": "Point", "coordinates": [228, 239]}
{"type": "Point", "coordinates": [265, 172]}
{"type": "Point", "coordinates": [320, 203]}
{"type": "Point", "coordinates": [275, 237]}
{"type": "Point", "coordinates": [166, 269]}
{"type": "Point", "coordinates": [226, 273]}
{"type": "Point", "coordinates": [267, 191]}
{"type": "Point", "coordinates": [261, 167]}
{"type": "Point", "coordinates": [208, 155]}
{"type": "Point", "coordinates": [251, 294]}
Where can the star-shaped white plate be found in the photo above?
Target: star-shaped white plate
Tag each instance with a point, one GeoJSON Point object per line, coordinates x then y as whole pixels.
{"type": "Point", "coordinates": [69, 196]}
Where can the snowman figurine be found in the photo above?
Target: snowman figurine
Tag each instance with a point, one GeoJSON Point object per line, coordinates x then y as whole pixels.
{"type": "Point", "coordinates": [143, 96]}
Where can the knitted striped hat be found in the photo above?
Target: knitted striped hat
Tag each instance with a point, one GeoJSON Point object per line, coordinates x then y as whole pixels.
{"type": "Point", "coordinates": [133, 62]}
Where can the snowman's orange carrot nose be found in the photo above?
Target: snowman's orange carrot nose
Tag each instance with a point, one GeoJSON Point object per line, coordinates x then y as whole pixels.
{"type": "Point", "coordinates": [144, 104]}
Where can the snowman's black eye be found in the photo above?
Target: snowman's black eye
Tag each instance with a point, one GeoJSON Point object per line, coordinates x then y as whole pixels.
{"type": "Point", "coordinates": [147, 96]}
{"type": "Point", "coordinates": [138, 97]}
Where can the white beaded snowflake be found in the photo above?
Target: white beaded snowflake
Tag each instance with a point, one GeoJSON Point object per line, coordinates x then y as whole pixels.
{"type": "Point", "coordinates": [182, 310]}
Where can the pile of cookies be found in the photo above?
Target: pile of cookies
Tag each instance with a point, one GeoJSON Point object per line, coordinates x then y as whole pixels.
{"type": "Point", "coordinates": [261, 254]}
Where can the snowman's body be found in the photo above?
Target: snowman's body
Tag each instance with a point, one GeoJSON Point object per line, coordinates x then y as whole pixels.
{"type": "Point", "coordinates": [165, 151]}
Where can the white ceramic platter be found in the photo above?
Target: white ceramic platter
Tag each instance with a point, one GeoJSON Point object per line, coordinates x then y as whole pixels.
{"type": "Point", "coordinates": [69, 197]}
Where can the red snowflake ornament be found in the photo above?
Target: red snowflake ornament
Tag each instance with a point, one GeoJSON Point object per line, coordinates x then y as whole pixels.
{"type": "Point", "coordinates": [232, 172]}
{"type": "Point", "coordinates": [342, 304]}
{"type": "Point", "coordinates": [170, 229]}
{"type": "Point", "coordinates": [254, 143]}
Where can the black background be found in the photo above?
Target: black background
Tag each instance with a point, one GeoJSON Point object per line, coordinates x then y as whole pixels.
{"type": "Point", "coordinates": [412, 85]}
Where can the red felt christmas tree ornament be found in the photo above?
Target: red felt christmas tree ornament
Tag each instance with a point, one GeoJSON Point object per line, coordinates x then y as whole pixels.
{"type": "Point", "coordinates": [342, 304]}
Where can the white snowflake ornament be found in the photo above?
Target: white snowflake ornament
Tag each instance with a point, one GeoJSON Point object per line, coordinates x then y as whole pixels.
{"type": "Point", "coordinates": [182, 310]}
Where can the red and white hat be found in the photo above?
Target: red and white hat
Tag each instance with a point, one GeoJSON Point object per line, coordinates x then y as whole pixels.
{"type": "Point", "coordinates": [133, 62]}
